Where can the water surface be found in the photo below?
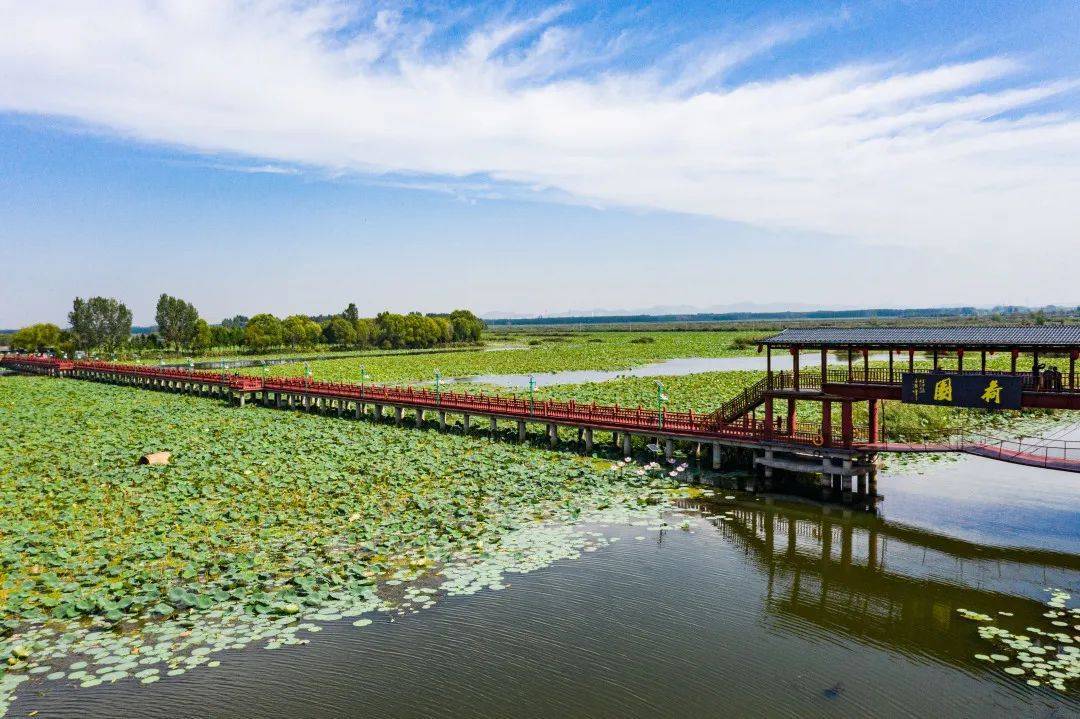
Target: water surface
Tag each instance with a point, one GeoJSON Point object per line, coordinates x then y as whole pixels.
{"type": "Point", "coordinates": [783, 610]}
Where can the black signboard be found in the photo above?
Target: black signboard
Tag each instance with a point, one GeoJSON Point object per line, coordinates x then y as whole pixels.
{"type": "Point", "coordinates": [985, 391]}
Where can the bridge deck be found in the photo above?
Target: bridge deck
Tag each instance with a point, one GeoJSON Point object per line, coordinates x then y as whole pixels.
{"type": "Point", "coordinates": [746, 432]}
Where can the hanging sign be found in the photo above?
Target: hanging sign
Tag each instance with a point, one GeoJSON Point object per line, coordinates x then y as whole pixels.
{"type": "Point", "coordinates": [983, 391]}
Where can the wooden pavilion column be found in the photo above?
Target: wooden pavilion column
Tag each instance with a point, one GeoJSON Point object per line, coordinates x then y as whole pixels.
{"type": "Point", "coordinates": [795, 368]}
{"type": "Point", "coordinates": [824, 366]}
{"type": "Point", "coordinates": [1072, 369]}
{"type": "Point", "coordinates": [791, 416]}
{"type": "Point", "coordinates": [960, 359]}
{"type": "Point", "coordinates": [873, 415]}
{"type": "Point", "coordinates": [866, 364]}
{"type": "Point", "coordinates": [826, 422]}
{"type": "Point", "coordinates": [935, 359]}
{"type": "Point", "coordinates": [911, 360]}
{"type": "Point", "coordinates": [768, 364]}
{"type": "Point", "coordinates": [890, 366]}
{"type": "Point", "coordinates": [847, 431]}
{"type": "Point", "coordinates": [849, 351]}
{"type": "Point", "coordinates": [983, 357]}
{"type": "Point", "coordinates": [1012, 365]}
{"type": "Point", "coordinates": [769, 417]}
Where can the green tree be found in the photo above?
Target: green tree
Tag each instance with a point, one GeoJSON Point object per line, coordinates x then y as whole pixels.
{"type": "Point", "coordinates": [238, 322]}
{"type": "Point", "coordinates": [300, 331]}
{"type": "Point", "coordinates": [203, 339]}
{"type": "Point", "coordinates": [263, 331]}
{"type": "Point", "coordinates": [364, 330]}
{"type": "Point", "coordinates": [351, 313]}
{"type": "Point", "coordinates": [340, 331]}
{"type": "Point", "coordinates": [467, 326]}
{"type": "Point", "coordinates": [100, 322]}
{"type": "Point", "coordinates": [176, 320]}
{"type": "Point", "coordinates": [36, 338]}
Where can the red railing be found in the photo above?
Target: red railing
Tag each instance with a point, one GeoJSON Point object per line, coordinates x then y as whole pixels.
{"type": "Point", "coordinates": [598, 416]}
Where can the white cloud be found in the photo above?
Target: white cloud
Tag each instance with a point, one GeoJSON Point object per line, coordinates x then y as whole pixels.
{"type": "Point", "coordinates": [947, 155]}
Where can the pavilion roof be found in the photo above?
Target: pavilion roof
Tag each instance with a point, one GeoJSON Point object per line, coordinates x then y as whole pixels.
{"type": "Point", "coordinates": [969, 337]}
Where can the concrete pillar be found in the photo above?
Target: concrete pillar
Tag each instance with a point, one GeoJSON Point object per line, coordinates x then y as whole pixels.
{"type": "Point", "coordinates": [553, 436]}
{"type": "Point", "coordinates": [861, 484]}
{"type": "Point", "coordinates": [669, 448]}
{"type": "Point", "coordinates": [588, 440]}
{"type": "Point", "coordinates": [358, 409]}
{"type": "Point", "coordinates": [626, 444]}
{"type": "Point", "coordinates": [716, 455]}
{"type": "Point", "coordinates": [242, 396]}
{"type": "Point", "coordinates": [442, 419]}
{"type": "Point", "coordinates": [398, 412]}
{"type": "Point", "coordinates": [464, 423]}
{"type": "Point", "coordinates": [494, 426]}
{"type": "Point", "coordinates": [419, 417]}
{"type": "Point", "coordinates": [378, 412]}
{"type": "Point", "coordinates": [615, 440]}
{"type": "Point", "coordinates": [340, 407]}
{"type": "Point", "coordinates": [769, 425]}
{"type": "Point", "coordinates": [521, 430]}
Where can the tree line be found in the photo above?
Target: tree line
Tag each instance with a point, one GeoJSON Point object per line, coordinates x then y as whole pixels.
{"type": "Point", "coordinates": [104, 324]}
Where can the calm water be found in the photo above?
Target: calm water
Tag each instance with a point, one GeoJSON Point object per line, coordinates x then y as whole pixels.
{"type": "Point", "coordinates": [667, 368]}
{"type": "Point", "coordinates": [785, 611]}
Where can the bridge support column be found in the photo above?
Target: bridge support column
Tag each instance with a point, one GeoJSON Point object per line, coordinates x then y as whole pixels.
{"type": "Point", "coordinates": [860, 484]}
{"type": "Point", "coordinates": [359, 409]}
{"type": "Point", "coordinates": [768, 417]}
{"type": "Point", "coordinates": [494, 426]}
{"type": "Point", "coordinates": [553, 436]}
{"type": "Point", "coordinates": [615, 440]}
{"type": "Point", "coordinates": [419, 417]}
{"type": "Point", "coordinates": [826, 423]}
{"type": "Point", "coordinates": [669, 448]}
{"type": "Point", "coordinates": [846, 429]}
{"type": "Point", "coordinates": [716, 455]}
{"type": "Point", "coordinates": [521, 430]}
{"type": "Point", "coordinates": [627, 445]}
{"type": "Point", "coordinates": [588, 440]}
{"type": "Point", "coordinates": [378, 412]}
{"type": "Point", "coordinates": [398, 413]}
{"type": "Point", "coordinates": [872, 412]}
{"type": "Point", "coordinates": [442, 419]}
{"type": "Point", "coordinates": [464, 423]}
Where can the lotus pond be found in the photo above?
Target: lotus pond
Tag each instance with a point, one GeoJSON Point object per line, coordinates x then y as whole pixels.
{"type": "Point", "coordinates": [294, 565]}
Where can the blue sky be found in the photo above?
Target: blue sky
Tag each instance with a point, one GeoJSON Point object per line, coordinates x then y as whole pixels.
{"type": "Point", "coordinates": [536, 158]}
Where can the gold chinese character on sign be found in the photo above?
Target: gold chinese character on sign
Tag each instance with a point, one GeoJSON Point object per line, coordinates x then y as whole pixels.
{"type": "Point", "coordinates": [943, 390]}
{"type": "Point", "coordinates": [992, 393]}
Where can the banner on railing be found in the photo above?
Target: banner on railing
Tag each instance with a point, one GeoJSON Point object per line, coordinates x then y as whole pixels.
{"type": "Point", "coordinates": [983, 391]}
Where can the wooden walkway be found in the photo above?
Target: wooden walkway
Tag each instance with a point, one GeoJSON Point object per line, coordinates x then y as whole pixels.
{"type": "Point", "coordinates": [623, 422]}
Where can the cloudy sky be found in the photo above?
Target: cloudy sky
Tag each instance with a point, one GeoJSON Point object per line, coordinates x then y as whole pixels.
{"type": "Point", "coordinates": [295, 156]}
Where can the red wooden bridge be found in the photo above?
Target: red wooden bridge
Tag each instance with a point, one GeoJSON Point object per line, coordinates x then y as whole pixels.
{"type": "Point", "coordinates": [780, 442]}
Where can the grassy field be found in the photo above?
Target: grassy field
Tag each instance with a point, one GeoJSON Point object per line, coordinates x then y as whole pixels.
{"type": "Point", "coordinates": [553, 353]}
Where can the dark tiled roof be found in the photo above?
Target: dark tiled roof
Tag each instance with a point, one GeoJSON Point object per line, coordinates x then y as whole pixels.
{"type": "Point", "coordinates": [997, 337]}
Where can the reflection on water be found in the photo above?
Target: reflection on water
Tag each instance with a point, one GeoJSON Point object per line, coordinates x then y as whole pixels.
{"type": "Point", "coordinates": [667, 368]}
{"type": "Point", "coordinates": [764, 608]}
